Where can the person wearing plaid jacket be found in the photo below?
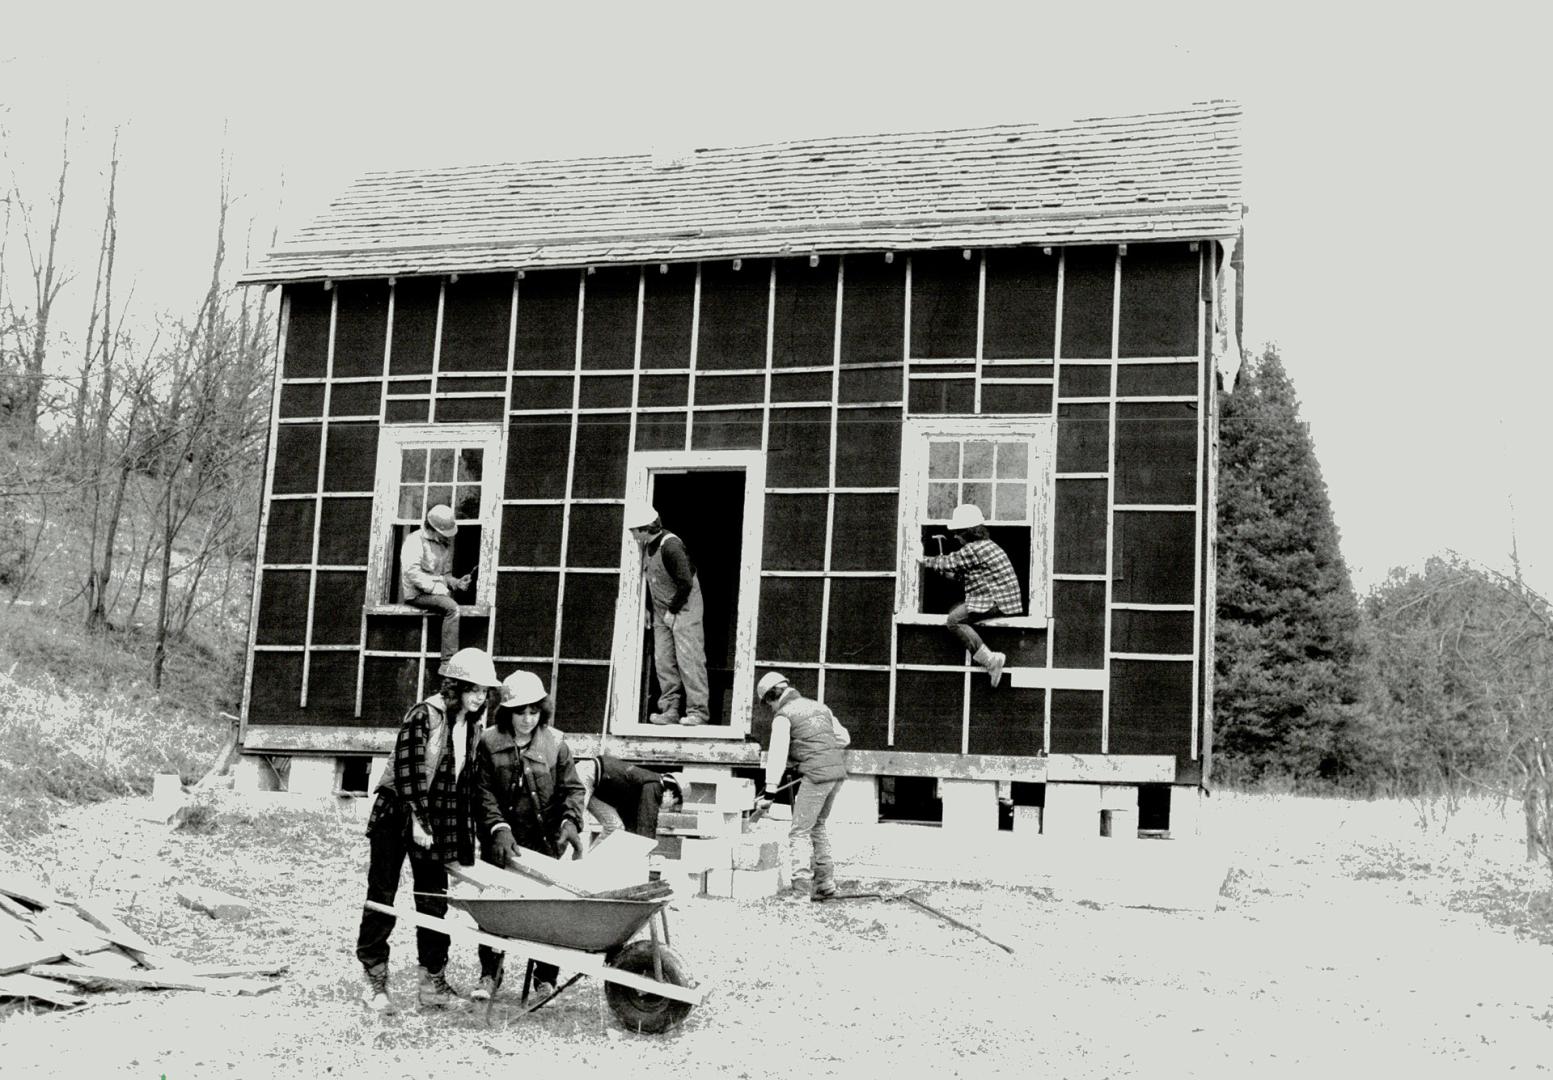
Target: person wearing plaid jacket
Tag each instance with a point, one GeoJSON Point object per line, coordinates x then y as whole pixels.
{"type": "Point", "coordinates": [425, 809]}
{"type": "Point", "coordinates": [991, 586]}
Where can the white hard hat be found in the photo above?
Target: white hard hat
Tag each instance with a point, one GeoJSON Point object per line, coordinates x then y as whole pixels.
{"type": "Point", "coordinates": [769, 681]}
{"type": "Point", "coordinates": [441, 519]}
{"type": "Point", "coordinates": [473, 666]}
{"type": "Point", "coordinates": [966, 516]}
{"type": "Point", "coordinates": [521, 688]}
{"type": "Point", "coordinates": [640, 514]}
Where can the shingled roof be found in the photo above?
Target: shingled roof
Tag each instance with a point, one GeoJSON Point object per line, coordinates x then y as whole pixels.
{"type": "Point", "coordinates": [1159, 176]}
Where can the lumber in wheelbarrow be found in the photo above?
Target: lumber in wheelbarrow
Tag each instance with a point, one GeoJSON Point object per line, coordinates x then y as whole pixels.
{"type": "Point", "coordinates": [578, 960]}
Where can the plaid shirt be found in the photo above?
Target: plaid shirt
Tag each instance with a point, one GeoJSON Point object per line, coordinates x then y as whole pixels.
{"type": "Point", "coordinates": [442, 803]}
{"type": "Point", "coordinates": [988, 577]}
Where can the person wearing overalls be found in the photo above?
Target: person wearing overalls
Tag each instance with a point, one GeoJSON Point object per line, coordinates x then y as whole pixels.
{"type": "Point", "coordinates": [678, 634]}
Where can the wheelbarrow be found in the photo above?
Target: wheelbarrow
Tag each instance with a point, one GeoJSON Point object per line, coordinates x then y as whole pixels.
{"type": "Point", "coordinates": [646, 985]}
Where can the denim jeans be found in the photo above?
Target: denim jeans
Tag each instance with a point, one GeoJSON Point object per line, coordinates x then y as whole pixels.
{"type": "Point", "coordinates": [449, 609]}
{"type": "Point", "coordinates": [808, 841]}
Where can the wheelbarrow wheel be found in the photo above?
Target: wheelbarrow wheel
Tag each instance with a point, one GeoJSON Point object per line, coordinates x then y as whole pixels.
{"type": "Point", "coordinates": [639, 1010]}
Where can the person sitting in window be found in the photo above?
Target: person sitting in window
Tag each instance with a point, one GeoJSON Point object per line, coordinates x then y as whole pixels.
{"type": "Point", "coordinates": [991, 586]}
{"type": "Point", "coordinates": [426, 572]}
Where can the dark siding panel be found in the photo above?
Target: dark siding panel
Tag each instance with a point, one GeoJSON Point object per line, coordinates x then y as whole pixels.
{"type": "Point", "coordinates": [942, 396]}
{"type": "Point", "coordinates": [345, 532]}
{"type": "Point", "coordinates": [1006, 720]}
{"type": "Point", "coordinates": [282, 607]}
{"type": "Point", "coordinates": [393, 633]}
{"type": "Point", "coordinates": [1076, 721]}
{"type": "Point", "coordinates": [1023, 646]}
{"type": "Point", "coordinates": [730, 389]}
{"type": "Point", "coordinates": [1083, 438]}
{"type": "Point", "coordinates": [789, 620]}
{"type": "Point", "coordinates": [1159, 301]}
{"type": "Point", "coordinates": [860, 614]}
{"type": "Point", "coordinates": [536, 457]}
{"type": "Point", "coordinates": [730, 429]}
{"type": "Point", "coordinates": [1155, 380]}
{"type": "Point", "coordinates": [407, 412]}
{"type": "Point", "coordinates": [734, 306]}
{"type": "Point", "coordinates": [660, 431]}
{"type": "Point", "coordinates": [277, 686]}
{"type": "Point", "coordinates": [873, 310]}
{"type": "Point", "coordinates": [794, 532]}
{"type": "Point", "coordinates": [389, 688]}
{"type": "Point", "coordinates": [587, 619]}
{"type": "Point", "coordinates": [1168, 632]}
{"type": "Point", "coordinates": [307, 332]}
{"type": "Point", "coordinates": [350, 463]}
{"type": "Point", "coordinates": [1078, 542]}
{"type": "Point", "coordinates": [1156, 452]}
{"type": "Point", "coordinates": [928, 706]}
{"type": "Point", "coordinates": [1151, 707]}
{"type": "Point", "coordinates": [296, 459]}
{"type": "Point", "coordinates": [861, 701]}
{"type": "Point", "coordinates": [476, 322]}
{"type": "Point", "coordinates": [609, 318]}
{"type": "Point", "coordinates": [868, 386]}
{"type": "Point", "coordinates": [337, 607]}
{"type": "Point", "coordinates": [864, 537]}
{"type": "Point", "coordinates": [415, 325]}
{"type": "Point", "coordinates": [1078, 610]}
{"type": "Point", "coordinates": [603, 443]}
{"type": "Point", "coordinates": [868, 448]}
{"type": "Point", "coordinates": [540, 392]}
{"type": "Point", "coordinates": [605, 392]}
{"type": "Point", "coordinates": [356, 399]}
{"type": "Point", "coordinates": [595, 536]}
{"type": "Point", "coordinates": [302, 401]}
{"type": "Point", "coordinates": [288, 536]}
{"type": "Point", "coordinates": [668, 311]}
{"type": "Point", "coordinates": [547, 321]}
{"type": "Point", "coordinates": [470, 410]}
{"type": "Point", "coordinates": [944, 287]}
{"type": "Point", "coordinates": [331, 689]}
{"type": "Point", "coordinates": [1034, 400]}
{"type": "Point", "coordinates": [929, 645]}
{"type": "Point", "coordinates": [804, 386]}
{"type": "Point", "coordinates": [1084, 380]}
{"type": "Point", "coordinates": [1021, 319]}
{"type": "Point", "coordinates": [798, 454]}
{"type": "Point", "coordinates": [526, 613]}
{"type": "Point", "coordinates": [580, 692]}
{"type": "Point", "coordinates": [1153, 558]}
{"type": "Point", "coordinates": [664, 390]}
{"type": "Point", "coordinates": [531, 535]}
{"type": "Point", "coordinates": [804, 330]}
{"type": "Point", "coordinates": [1088, 291]}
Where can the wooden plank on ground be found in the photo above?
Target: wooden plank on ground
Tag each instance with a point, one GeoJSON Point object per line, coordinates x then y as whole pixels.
{"type": "Point", "coordinates": [45, 990]}
{"type": "Point", "coordinates": [27, 890]}
{"type": "Point", "coordinates": [151, 980]}
{"type": "Point", "coordinates": [20, 955]}
{"type": "Point", "coordinates": [228, 971]}
{"type": "Point", "coordinates": [102, 917]}
{"type": "Point", "coordinates": [11, 907]}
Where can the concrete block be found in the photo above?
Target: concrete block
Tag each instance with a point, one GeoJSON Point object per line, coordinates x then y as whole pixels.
{"type": "Point", "coordinates": [668, 847]}
{"type": "Point", "coordinates": [708, 853]}
{"type": "Point", "coordinates": [756, 854]}
{"type": "Point", "coordinates": [1027, 820]}
{"type": "Point", "coordinates": [674, 821]}
{"type": "Point", "coordinates": [688, 884]}
{"type": "Point", "coordinates": [969, 805]}
{"type": "Point", "coordinates": [857, 803]}
{"type": "Point", "coordinates": [313, 776]}
{"type": "Point", "coordinates": [719, 882]}
{"type": "Point", "coordinates": [247, 774]}
{"type": "Point", "coordinates": [704, 774]}
{"type": "Point", "coordinates": [1185, 812]}
{"type": "Point", "coordinates": [1072, 811]}
{"type": "Point", "coordinates": [755, 884]}
{"type": "Point", "coordinates": [1119, 824]}
{"type": "Point", "coordinates": [712, 823]}
{"type": "Point", "coordinates": [1118, 797]}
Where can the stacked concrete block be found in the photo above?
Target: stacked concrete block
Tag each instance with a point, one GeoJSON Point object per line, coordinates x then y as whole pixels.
{"type": "Point", "coordinates": [969, 805]}
{"type": "Point", "coordinates": [857, 803]}
{"type": "Point", "coordinates": [696, 844]}
{"type": "Point", "coordinates": [1027, 820]}
{"type": "Point", "coordinates": [1186, 805]}
{"type": "Point", "coordinates": [1072, 811]}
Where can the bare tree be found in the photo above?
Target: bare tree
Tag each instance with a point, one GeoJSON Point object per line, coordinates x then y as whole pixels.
{"type": "Point", "coordinates": [47, 281]}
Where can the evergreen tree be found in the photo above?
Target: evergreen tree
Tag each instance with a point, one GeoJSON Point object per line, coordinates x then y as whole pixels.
{"type": "Point", "coordinates": [1286, 678]}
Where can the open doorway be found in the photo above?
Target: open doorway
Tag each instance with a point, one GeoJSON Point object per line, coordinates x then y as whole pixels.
{"type": "Point", "coordinates": [705, 508]}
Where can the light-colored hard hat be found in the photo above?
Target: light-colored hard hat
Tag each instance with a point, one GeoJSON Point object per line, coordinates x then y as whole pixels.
{"type": "Point", "coordinates": [521, 688]}
{"type": "Point", "coordinates": [441, 518]}
{"type": "Point", "coordinates": [640, 514]}
{"type": "Point", "coordinates": [768, 682]}
{"type": "Point", "coordinates": [473, 666]}
{"type": "Point", "coordinates": [966, 516]}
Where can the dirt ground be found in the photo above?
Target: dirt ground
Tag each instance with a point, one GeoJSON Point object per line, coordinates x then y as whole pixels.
{"type": "Point", "coordinates": [1348, 941]}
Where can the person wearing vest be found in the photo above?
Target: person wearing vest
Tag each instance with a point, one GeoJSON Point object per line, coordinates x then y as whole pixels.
{"type": "Point", "coordinates": [425, 809]}
{"type": "Point", "coordinates": [679, 639]}
{"type": "Point", "coordinates": [529, 797]}
{"type": "Point", "coordinates": [625, 796]}
{"type": "Point", "coordinates": [807, 736]}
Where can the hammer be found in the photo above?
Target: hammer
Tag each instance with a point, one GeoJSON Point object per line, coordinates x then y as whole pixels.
{"type": "Point", "coordinates": [760, 811]}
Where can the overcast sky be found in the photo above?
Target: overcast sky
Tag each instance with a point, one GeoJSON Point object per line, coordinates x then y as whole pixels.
{"type": "Point", "coordinates": [1396, 243]}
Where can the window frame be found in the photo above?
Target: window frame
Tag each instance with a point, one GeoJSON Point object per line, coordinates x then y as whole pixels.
{"type": "Point", "coordinates": [918, 432]}
{"type": "Point", "coordinates": [393, 441]}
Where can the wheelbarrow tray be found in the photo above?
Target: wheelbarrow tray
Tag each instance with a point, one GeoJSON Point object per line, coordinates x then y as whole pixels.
{"type": "Point", "coordinates": [578, 923]}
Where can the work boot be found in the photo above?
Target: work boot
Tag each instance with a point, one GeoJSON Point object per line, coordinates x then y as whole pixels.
{"type": "Point", "coordinates": [489, 984]}
{"type": "Point", "coordinates": [693, 720]}
{"type": "Point", "coordinates": [663, 719]}
{"type": "Point", "coordinates": [376, 997]}
{"type": "Point", "coordinates": [434, 990]}
{"type": "Point", "coordinates": [802, 883]}
{"type": "Point", "coordinates": [995, 662]}
{"type": "Point", "coordinates": [824, 889]}
{"type": "Point", "coordinates": [541, 990]}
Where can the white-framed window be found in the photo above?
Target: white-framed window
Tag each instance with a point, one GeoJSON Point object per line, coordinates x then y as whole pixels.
{"type": "Point", "coordinates": [999, 464]}
{"type": "Point", "coordinates": [424, 465]}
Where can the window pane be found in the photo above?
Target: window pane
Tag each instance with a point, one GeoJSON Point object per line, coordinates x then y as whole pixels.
{"type": "Point", "coordinates": [979, 495]}
{"type": "Point", "coordinates": [468, 504]}
{"type": "Point", "coordinates": [940, 501]}
{"type": "Point", "coordinates": [1012, 504]}
{"type": "Point", "coordinates": [410, 506]}
{"type": "Point", "coordinates": [441, 465]}
{"type": "Point", "coordinates": [412, 465]}
{"type": "Point", "coordinates": [943, 460]}
{"type": "Point", "coordinates": [1013, 461]}
{"type": "Point", "coordinates": [439, 495]}
{"type": "Point", "coordinates": [469, 462]}
{"type": "Point", "coordinates": [978, 459]}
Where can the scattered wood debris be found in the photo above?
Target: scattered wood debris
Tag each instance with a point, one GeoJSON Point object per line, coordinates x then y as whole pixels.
{"type": "Point", "coordinates": [55, 951]}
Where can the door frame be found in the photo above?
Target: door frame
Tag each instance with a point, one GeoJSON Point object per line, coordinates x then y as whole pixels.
{"type": "Point", "coordinates": [627, 647]}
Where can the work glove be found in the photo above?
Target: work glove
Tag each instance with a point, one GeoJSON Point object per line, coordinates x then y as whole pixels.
{"type": "Point", "coordinates": [669, 618]}
{"type": "Point", "coordinates": [504, 846]}
{"type": "Point", "coordinates": [567, 838]}
{"type": "Point", "coordinates": [419, 834]}
{"type": "Point", "coordinates": [763, 803]}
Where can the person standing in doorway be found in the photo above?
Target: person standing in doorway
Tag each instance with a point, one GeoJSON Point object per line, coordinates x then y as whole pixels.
{"type": "Point", "coordinates": [807, 736]}
{"type": "Point", "coordinates": [426, 572]}
{"type": "Point", "coordinates": [991, 586]}
{"type": "Point", "coordinates": [679, 638]}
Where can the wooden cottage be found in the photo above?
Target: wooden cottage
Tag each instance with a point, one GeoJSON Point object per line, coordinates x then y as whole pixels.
{"type": "Point", "coordinates": [805, 354]}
